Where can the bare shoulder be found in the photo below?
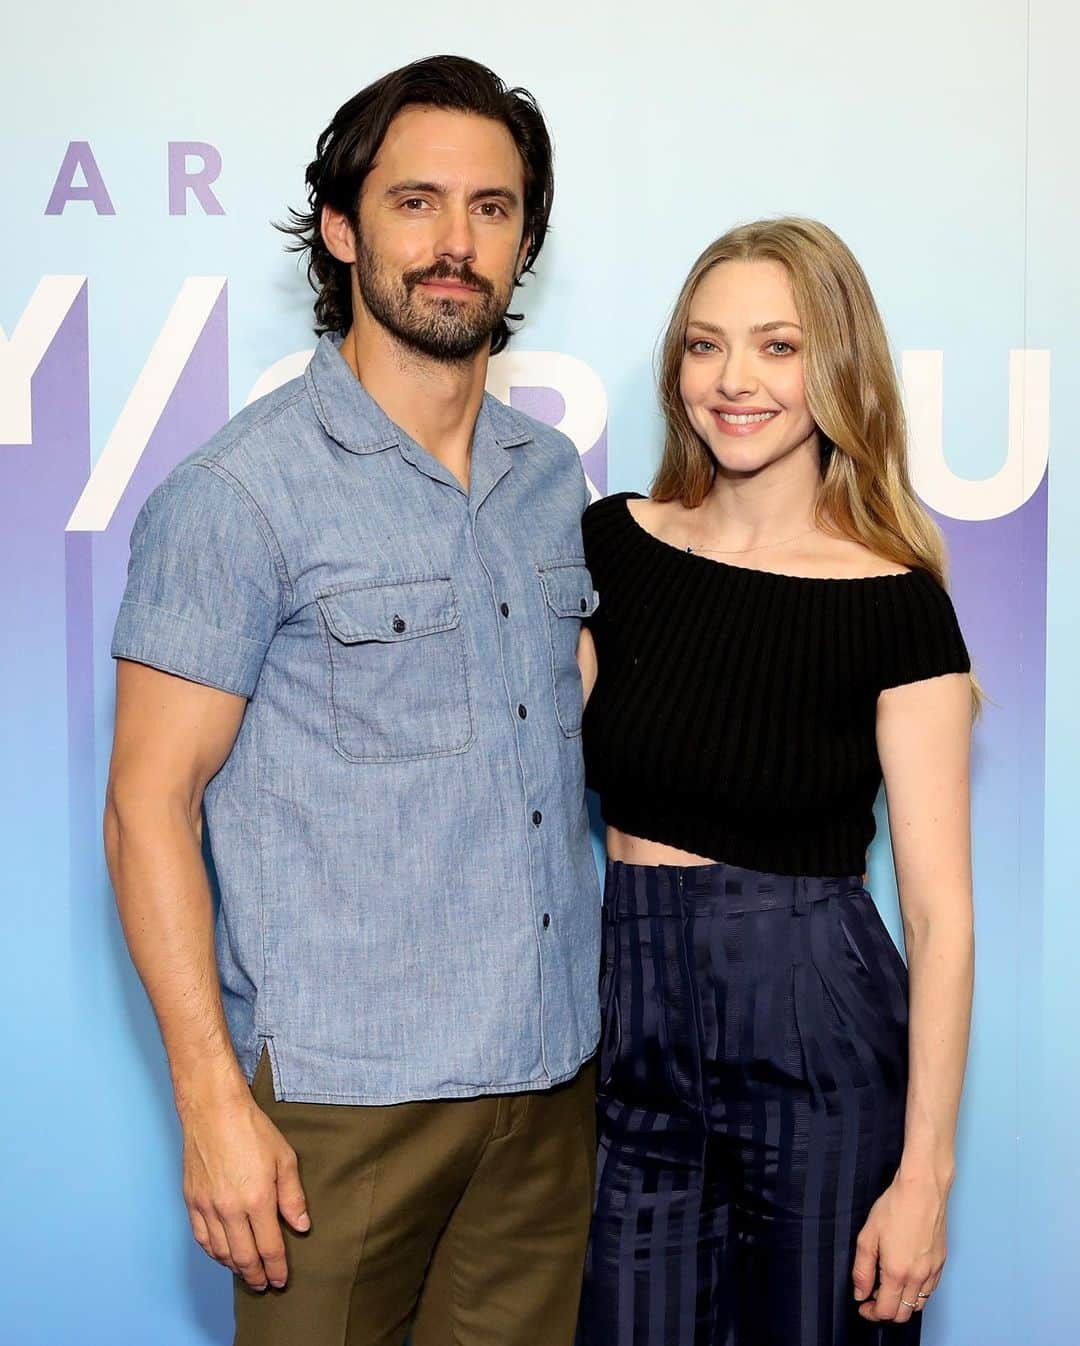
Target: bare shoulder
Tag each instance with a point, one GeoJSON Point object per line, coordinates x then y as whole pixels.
{"type": "Point", "coordinates": [664, 519]}
{"type": "Point", "coordinates": [845, 558]}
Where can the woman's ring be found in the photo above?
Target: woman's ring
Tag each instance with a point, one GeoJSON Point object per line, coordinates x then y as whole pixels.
{"type": "Point", "coordinates": [908, 1304]}
{"type": "Point", "coordinates": [924, 1294]}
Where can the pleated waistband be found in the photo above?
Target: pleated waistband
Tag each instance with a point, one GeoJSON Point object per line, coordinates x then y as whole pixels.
{"type": "Point", "coordinates": [694, 890]}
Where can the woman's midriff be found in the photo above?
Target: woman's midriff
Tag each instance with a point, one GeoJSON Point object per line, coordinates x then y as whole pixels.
{"type": "Point", "coordinates": [633, 850]}
{"type": "Point", "coordinates": [637, 851]}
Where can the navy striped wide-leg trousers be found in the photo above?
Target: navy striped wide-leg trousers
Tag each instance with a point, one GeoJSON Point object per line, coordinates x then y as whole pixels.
{"type": "Point", "coordinates": [752, 1086]}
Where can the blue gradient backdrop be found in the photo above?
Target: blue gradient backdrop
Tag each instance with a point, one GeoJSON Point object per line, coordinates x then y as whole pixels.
{"type": "Point", "coordinates": [938, 140]}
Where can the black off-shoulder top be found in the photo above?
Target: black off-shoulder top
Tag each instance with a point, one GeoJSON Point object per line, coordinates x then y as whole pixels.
{"type": "Point", "coordinates": [734, 711]}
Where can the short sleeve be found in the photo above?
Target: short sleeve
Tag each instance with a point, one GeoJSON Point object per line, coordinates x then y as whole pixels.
{"type": "Point", "coordinates": [920, 635]}
{"type": "Point", "coordinates": [586, 493]}
{"type": "Point", "coordinates": [204, 590]}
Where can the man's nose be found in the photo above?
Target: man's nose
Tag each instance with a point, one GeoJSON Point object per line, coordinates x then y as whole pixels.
{"type": "Point", "coordinates": [455, 240]}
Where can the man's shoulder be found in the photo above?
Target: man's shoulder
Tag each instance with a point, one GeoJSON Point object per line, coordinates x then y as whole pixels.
{"type": "Point", "coordinates": [263, 444]}
{"type": "Point", "coordinates": [259, 432]}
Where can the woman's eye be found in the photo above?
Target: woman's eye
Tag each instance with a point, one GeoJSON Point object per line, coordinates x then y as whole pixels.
{"type": "Point", "coordinates": [781, 347]}
{"type": "Point", "coordinates": [701, 346]}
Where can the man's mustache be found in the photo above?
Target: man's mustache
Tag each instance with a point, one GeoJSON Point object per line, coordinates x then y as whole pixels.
{"type": "Point", "coordinates": [443, 270]}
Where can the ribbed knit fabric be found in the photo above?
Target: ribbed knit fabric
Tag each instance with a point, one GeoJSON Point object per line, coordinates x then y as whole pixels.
{"type": "Point", "coordinates": [734, 711]}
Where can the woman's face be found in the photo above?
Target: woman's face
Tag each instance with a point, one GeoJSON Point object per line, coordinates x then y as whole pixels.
{"type": "Point", "coordinates": [742, 367]}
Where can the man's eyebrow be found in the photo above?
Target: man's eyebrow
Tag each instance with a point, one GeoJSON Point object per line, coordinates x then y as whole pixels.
{"type": "Point", "coordinates": [506, 194]}
{"type": "Point", "coordinates": [414, 185]}
{"type": "Point", "coordinates": [437, 189]}
{"type": "Point", "coordinates": [758, 327]}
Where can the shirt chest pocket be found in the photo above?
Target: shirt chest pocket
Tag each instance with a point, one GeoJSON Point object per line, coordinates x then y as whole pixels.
{"type": "Point", "coordinates": [398, 679]}
{"type": "Point", "coordinates": [568, 597]}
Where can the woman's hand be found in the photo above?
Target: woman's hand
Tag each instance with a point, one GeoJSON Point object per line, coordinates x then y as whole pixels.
{"type": "Point", "coordinates": [901, 1249]}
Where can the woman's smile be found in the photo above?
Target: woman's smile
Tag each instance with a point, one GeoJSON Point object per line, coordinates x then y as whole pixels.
{"type": "Point", "coordinates": [745, 421]}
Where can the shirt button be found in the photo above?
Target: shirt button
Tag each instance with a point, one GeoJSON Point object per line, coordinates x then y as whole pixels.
{"type": "Point", "coordinates": [547, 920]}
{"type": "Point", "coordinates": [398, 624]}
{"type": "Point", "coordinates": [504, 608]}
{"type": "Point", "coordinates": [538, 817]}
{"type": "Point", "coordinates": [522, 711]}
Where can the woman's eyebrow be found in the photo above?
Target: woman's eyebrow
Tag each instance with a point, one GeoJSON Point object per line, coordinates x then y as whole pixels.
{"type": "Point", "coordinates": [758, 327]}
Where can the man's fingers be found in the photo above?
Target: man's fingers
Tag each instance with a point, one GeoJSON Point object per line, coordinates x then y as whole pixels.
{"type": "Point", "coordinates": [270, 1244]}
{"type": "Point", "coordinates": [244, 1254]}
{"type": "Point", "coordinates": [290, 1194]}
{"type": "Point", "coordinates": [200, 1231]}
{"type": "Point", "coordinates": [219, 1241]}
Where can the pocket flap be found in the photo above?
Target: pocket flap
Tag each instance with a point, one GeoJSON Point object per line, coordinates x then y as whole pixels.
{"type": "Point", "coordinates": [569, 590]}
{"type": "Point", "coordinates": [389, 612]}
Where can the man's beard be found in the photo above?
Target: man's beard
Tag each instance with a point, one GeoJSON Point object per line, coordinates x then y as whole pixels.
{"type": "Point", "coordinates": [448, 330]}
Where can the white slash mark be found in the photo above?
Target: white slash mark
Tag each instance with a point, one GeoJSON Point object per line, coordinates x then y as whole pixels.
{"type": "Point", "coordinates": [146, 402]}
{"type": "Point", "coordinates": [21, 354]}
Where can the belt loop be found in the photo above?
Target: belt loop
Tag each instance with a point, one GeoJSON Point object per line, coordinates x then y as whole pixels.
{"type": "Point", "coordinates": [802, 895]}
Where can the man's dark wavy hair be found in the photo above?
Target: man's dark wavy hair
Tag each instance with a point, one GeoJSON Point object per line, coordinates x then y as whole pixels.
{"type": "Point", "coordinates": [346, 150]}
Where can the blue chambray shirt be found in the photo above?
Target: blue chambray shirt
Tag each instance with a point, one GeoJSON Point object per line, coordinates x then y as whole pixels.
{"type": "Point", "coordinates": [409, 904]}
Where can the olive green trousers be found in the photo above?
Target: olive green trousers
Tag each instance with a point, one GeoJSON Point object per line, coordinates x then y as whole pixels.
{"type": "Point", "coordinates": [464, 1219]}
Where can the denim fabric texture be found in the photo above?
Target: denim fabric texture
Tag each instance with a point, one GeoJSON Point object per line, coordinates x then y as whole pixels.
{"type": "Point", "coordinates": [409, 904]}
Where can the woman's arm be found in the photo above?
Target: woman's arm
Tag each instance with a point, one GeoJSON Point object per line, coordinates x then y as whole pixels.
{"type": "Point", "coordinates": [587, 663]}
{"type": "Point", "coordinates": [924, 742]}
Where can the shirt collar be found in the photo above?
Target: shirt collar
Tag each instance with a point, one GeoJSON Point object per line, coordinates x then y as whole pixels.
{"type": "Point", "coordinates": [352, 417]}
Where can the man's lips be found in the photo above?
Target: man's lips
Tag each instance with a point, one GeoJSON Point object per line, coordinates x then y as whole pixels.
{"type": "Point", "coordinates": [450, 286]}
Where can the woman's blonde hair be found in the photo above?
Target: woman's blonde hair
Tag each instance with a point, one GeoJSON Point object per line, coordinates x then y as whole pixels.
{"type": "Point", "coordinates": [852, 393]}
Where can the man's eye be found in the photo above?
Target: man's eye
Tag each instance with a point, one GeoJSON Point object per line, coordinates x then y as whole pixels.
{"type": "Point", "coordinates": [414, 203]}
{"type": "Point", "coordinates": [492, 209]}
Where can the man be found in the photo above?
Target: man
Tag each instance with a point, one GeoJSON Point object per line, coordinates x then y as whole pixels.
{"type": "Point", "coordinates": [352, 620]}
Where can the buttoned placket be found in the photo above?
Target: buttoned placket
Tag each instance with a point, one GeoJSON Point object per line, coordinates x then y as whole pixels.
{"type": "Point", "coordinates": [489, 466]}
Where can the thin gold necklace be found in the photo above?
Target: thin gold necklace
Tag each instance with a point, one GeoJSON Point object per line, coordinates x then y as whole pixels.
{"type": "Point", "coordinates": [741, 551]}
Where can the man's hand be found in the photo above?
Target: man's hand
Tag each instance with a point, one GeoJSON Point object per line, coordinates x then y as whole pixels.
{"type": "Point", "coordinates": [239, 1174]}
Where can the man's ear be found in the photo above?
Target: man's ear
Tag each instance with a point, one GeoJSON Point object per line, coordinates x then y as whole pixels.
{"type": "Point", "coordinates": [338, 234]}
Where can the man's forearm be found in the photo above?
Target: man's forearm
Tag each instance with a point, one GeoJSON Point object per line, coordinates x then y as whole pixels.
{"type": "Point", "coordinates": [163, 896]}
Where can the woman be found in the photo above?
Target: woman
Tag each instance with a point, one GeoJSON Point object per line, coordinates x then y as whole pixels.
{"type": "Point", "coordinates": [772, 638]}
